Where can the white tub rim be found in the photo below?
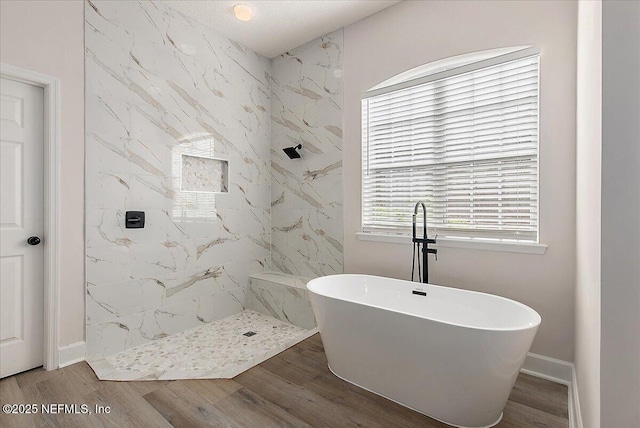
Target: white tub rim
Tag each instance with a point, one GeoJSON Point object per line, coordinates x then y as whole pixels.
{"type": "Point", "coordinates": [536, 318]}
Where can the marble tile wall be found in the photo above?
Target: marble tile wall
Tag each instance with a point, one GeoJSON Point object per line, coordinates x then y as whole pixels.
{"type": "Point", "coordinates": [283, 297]}
{"type": "Point", "coordinates": [306, 193]}
{"type": "Point", "coordinates": [159, 86]}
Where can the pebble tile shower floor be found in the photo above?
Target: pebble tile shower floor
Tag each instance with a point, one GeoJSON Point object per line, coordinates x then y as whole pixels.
{"type": "Point", "coordinates": [221, 349]}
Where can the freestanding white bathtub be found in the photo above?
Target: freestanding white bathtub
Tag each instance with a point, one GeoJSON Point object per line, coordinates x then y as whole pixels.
{"type": "Point", "coordinates": [453, 354]}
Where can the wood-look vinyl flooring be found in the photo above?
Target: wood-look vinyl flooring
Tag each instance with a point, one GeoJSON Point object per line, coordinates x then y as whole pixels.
{"type": "Point", "coordinates": [292, 389]}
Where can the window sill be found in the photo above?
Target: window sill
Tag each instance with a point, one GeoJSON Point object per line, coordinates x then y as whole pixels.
{"type": "Point", "coordinates": [472, 244]}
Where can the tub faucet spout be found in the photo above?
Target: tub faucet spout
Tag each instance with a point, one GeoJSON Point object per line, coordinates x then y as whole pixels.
{"type": "Point", "coordinates": [424, 241]}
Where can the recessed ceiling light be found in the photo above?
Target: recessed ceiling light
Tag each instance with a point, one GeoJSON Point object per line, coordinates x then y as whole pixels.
{"type": "Point", "coordinates": [242, 12]}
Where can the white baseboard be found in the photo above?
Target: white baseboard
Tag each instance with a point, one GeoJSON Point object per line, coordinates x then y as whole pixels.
{"type": "Point", "coordinates": [557, 371]}
{"type": "Point", "coordinates": [575, 415]}
{"type": "Point", "coordinates": [71, 354]}
{"type": "Point", "coordinates": [548, 368]}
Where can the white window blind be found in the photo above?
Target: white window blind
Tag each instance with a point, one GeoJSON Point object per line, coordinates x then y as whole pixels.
{"type": "Point", "coordinates": [466, 144]}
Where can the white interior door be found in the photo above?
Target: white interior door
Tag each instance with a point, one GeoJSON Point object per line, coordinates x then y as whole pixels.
{"type": "Point", "coordinates": [21, 217]}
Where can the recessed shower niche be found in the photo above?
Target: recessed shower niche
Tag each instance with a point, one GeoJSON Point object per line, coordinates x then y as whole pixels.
{"type": "Point", "coordinates": [204, 174]}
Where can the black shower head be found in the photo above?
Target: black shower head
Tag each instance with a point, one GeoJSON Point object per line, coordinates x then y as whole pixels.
{"type": "Point", "coordinates": [291, 151]}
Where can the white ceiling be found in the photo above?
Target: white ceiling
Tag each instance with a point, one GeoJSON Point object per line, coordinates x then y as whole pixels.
{"type": "Point", "coordinates": [279, 26]}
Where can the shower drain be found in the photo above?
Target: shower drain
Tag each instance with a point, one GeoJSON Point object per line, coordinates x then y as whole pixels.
{"type": "Point", "coordinates": [249, 333]}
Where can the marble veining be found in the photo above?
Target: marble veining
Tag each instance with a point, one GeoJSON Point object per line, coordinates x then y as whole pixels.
{"type": "Point", "coordinates": [306, 193]}
{"type": "Point", "coordinates": [281, 296]}
{"type": "Point", "coordinates": [164, 92]}
{"type": "Point", "coordinates": [216, 350]}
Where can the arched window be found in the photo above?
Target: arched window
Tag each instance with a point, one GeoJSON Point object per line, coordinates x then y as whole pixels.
{"type": "Point", "coordinates": [462, 135]}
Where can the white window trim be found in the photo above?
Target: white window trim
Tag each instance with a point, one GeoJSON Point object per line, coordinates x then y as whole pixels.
{"type": "Point", "coordinates": [515, 53]}
{"type": "Point", "coordinates": [507, 246]}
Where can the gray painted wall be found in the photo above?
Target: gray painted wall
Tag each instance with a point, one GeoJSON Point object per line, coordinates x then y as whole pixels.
{"type": "Point", "coordinates": [620, 369]}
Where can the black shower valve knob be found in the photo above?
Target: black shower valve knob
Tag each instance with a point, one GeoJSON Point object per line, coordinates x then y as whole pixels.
{"type": "Point", "coordinates": [134, 219]}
